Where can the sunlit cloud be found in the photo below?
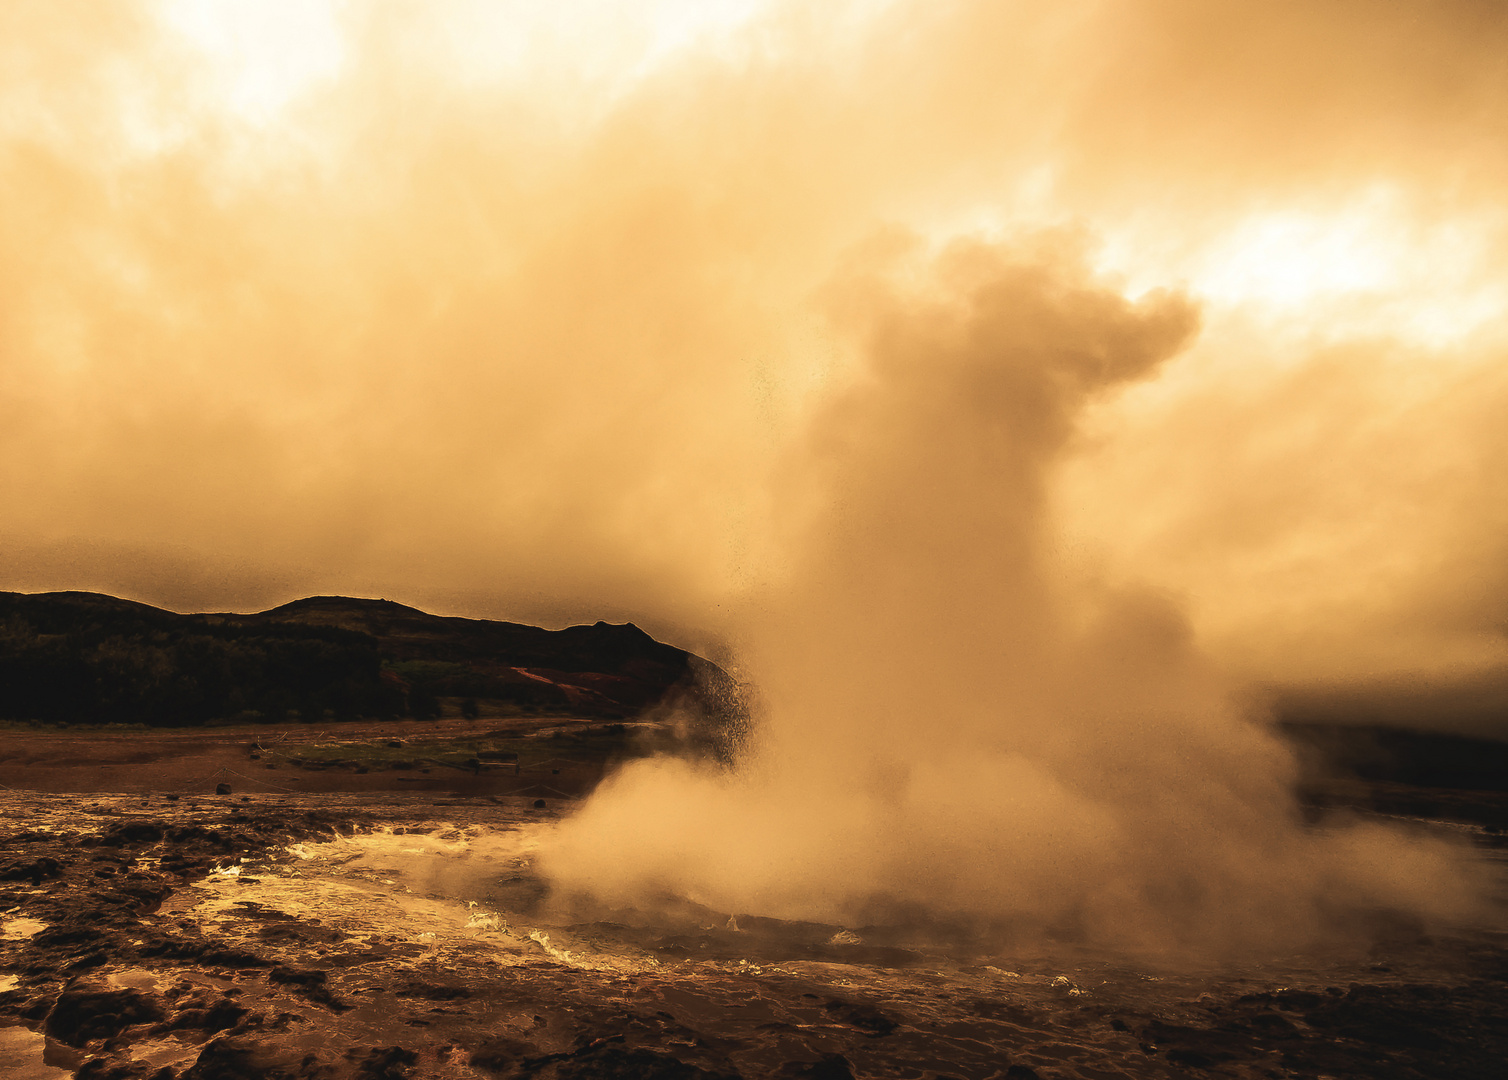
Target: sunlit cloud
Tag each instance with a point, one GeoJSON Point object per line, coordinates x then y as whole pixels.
{"type": "Point", "coordinates": [1374, 266]}
{"type": "Point", "coordinates": [262, 56]}
{"type": "Point", "coordinates": [606, 42]}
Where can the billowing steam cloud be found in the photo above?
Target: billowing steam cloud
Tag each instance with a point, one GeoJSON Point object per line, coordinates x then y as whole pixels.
{"type": "Point", "coordinates": [954, 725]}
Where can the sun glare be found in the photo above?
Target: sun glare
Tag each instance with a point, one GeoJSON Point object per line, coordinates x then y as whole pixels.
{"type": "Point", "coordinates": [598, 41]}
{"type": "Point", "coordinates": [265, 55]}
{"type": "Point", "coordinates": [1374, 248]}
{"type": "Point", "coordinates": [262, 55]}
{"type": "Point", "coordinates": [1370, 268]}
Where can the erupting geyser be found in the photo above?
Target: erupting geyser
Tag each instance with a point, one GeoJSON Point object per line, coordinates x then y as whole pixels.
{"type": "Point", "coordinates": [959, 722]}
{"type": "Point", "coordinates": [508, 310]}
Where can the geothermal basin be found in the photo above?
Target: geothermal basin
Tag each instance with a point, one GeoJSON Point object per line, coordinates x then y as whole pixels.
{"type": "Point", "coordinates": [396, 934]}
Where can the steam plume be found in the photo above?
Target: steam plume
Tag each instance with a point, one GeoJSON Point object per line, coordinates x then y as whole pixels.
{"type": "Point", "coordinates": [954, 724]}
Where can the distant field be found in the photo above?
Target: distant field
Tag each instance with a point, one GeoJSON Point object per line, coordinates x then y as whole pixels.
{"type": "Point", "coordinates": [481, 757]}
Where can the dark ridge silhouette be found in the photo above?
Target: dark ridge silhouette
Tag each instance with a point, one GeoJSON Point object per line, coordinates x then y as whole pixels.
{"type": "Point", "coordinates": [1446, 734]}
{"type": "Point", "coordinates": [411, 634]}
{"type": "Point", "coordinates": [78, 657]}
{"type": "Point", "coordinates": [1474, 705]}
{"type": "Point", "coordinates": [1397, 771]}
{"type": "Point", "coordinates": [343, 606]}
{"type": "Point", "coordinates": [1396, 755]}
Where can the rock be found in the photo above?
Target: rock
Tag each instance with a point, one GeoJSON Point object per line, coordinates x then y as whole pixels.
{"type": "Point", "coordinates": [90, 1011]}
{"type": "Point", "coordinates": [539, 804]}
{"type": "Point", "coordinates": [220, 1016]}
{"type": "Point", "coordinates": [35, 869]}
{"type": "Point", "coordinates": [244, 1058]}
{"type": "Point", "coordinates": [294, 977]}
{"type": "Point", "coordinates": [311, 983]}
{"type": "Point", "coordinates": [864, 1017]}
{"type": "Point", "coordinates": [502, 1055]}
{"type": "Point", "coordinates": [391, 1063]}
{"type": "Point", "coordinates": [198, 836]}
{"type": "Point", "coordinates": [106, 1069]}
{"type": "Point", "coordinates": [132, 833]}
{"type": "Point", "coordinates": [828, 1067]}
{"type": "Point", "coordinates": [222, 789]}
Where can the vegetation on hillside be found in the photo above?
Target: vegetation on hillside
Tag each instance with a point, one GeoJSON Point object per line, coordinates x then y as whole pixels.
{"type": "Point", "coordinates": [82, 658]}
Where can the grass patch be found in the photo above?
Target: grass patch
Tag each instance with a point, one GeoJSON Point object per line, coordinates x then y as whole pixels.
{"type": "Point", "coordinates": [593, 746]}
{"type": "Point", "coordinates": [51, 727]}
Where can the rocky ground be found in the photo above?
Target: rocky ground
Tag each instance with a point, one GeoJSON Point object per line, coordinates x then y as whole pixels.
{"type": "Point", "coordinates": [392, 935]}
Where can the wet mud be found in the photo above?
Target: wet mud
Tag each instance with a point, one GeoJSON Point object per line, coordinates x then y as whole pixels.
{"type": "Point", "coordinates": [389, 935]}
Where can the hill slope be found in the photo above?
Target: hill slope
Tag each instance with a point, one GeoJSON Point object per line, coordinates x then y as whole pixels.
{"type": "Point", "coordinates": [75, 657]}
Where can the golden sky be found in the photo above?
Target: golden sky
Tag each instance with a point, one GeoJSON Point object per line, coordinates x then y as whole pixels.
{"type": "Point", "coordinates": [555, 312]}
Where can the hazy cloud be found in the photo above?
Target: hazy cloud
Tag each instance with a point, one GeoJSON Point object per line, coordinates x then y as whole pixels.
{"type": "Point", "coordinates": [511, 315]}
